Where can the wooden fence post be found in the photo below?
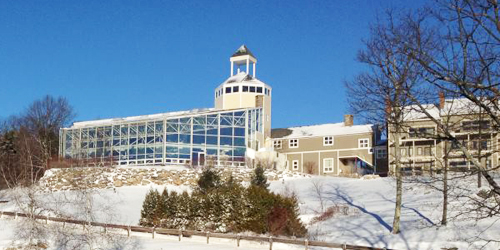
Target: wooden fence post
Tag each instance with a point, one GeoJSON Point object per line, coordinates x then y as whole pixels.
{"type": "Point", "coordinates": [128, 231]}
{"type": "Point", "coordinates": [306, 243]}
{"type": "Point", "coordinates": [238, 240]}
{"type": "Point", "coordinates": [47, 219]}
{"type": "Point", "coordinates": [208, 237]}
{"type": "Point", "coordinates": [180, 234]}
{"type": "Point", "coordinates": [270, 242]}
{"type": "Point", "coordinates": [154, 232]}
{"type": "Point", "coordinates": [64, 224]}
{"type": "Point", "coordinates": [15, 216]}
{"type": "Point", "coordinates": [344, 247]}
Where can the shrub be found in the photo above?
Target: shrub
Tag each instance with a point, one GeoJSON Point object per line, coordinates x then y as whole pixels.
{"type": "Point", "coordinates": [224, 207]}
{"type": "Point", "coordinates": [310, 167]}
{"type": "Point", "coordinates": [258, 177]}
{"type": "Point", "coordinates": [277, 220]}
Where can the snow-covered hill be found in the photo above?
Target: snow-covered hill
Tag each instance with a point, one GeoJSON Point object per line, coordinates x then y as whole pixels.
{"type": "Point", "coordinates": [363, 212]}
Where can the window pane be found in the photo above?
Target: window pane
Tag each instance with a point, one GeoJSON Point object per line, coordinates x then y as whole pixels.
{"type": "Point", "coordinates": [171, 149]}
{"type": "Point", "coordinates": [183, 138]}
{"type": "Point", "coordinates": [239, 131]}
{"type": "Point", "coordinates": [211, 151]}
{"type": "Point", "coordinates": [141, 150]}
{"type": "Point", "coordinates": [239, 141]}
{"type": "Point", "coordinates": [226, 131]}
{"type": "Point", "coordinates": [259, 89]}
{"type": "Point", "coordinates": [239, 152]}
{"type": "Point", "coordinates": [212, 140]}
{"type": "Point", "coordinates": [228, 90]}
{"type": "Point", "coordinates": [173, 138]}
{"type": "Point", "coordinates": [252, 89]}
{"type": "Point", "coordinates": [245, 88]}
{"type": "Point", "coordinates": [184, 150]}
{"type": "Point", "coordinates": [236, 89]}
{"type": "Point", "coordinates": [198, 139]}
{"type": "Point", "coordinates": [212, 131]}
{"type": "Point", "coordinates": [171, 155]}
{"type": "Point", "coordinates": [227, 141]}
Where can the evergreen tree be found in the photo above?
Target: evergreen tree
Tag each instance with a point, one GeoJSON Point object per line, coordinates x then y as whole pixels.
{"type": "Point", "coordinates": [258, 177]}
{"type": "Point", "coordinates": [149, 210]}
{"type": "Point", "coordinates": [209, 179]}
{"type": "Point", "coordinates": [170, 211]}
{"type": "Point", "coordinates": [162, 206]}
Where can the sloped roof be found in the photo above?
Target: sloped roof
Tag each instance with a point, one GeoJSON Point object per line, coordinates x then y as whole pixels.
{"type": "Point", "coordinates": [459, 106]}
{"type": "Point", "coordinates": [243, 50]}
{"type": "Point", "coordinates": [321, 130]}
{"type": "Point", "coordinates": [242, 77]}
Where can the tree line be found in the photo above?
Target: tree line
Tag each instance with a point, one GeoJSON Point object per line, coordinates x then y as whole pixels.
{"type": "Point", "coordinates": [29, 140]}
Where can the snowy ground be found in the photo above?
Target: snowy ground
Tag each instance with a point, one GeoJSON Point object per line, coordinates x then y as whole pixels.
{"type": "Point", "coordinates": [144, 241]}
{"type": "Point", "coordinates": [369, 207]}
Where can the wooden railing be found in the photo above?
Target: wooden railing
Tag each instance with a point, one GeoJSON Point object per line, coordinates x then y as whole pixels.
{"type": "Point", "coordinates": [188, 233]}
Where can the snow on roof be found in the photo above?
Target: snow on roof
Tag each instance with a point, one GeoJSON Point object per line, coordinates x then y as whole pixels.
{"type": "Point", "coordinates": [327, 129]}
{"type": "Point", "coordinates": [242, 77]}
{"type": "Point", "coordinates": [413, 112]}
{"type": "Point", "coordinates": [459, 106]}
{"type": "Point", "coordinates": [139, 118]}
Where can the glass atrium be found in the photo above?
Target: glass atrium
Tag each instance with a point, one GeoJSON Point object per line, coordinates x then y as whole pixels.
{"type": "Point", "coordinates": [193, 138]}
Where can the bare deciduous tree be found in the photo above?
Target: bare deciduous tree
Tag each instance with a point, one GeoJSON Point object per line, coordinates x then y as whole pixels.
{"type": "Point", "coordinates": [378, 95]}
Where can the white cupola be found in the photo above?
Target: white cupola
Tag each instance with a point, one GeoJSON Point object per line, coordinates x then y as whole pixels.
{"type": "Point", "coordinates": [242, 59]}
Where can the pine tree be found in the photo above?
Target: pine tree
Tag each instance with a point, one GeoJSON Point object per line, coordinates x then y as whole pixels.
{"type": "Point", "coordinates": [258, 177]}
{"type": "Point", "coordinates": [149, 209]}
{"type": "Point", "coordinates": [209, 179]}
{"type": "Point", "coordinates": [170, 211]}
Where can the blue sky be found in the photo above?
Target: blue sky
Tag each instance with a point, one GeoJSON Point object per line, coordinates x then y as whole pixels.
{"type": "Point", "coordinates": [123, 58]}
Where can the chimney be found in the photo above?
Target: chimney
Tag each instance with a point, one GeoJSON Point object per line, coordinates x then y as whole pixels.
{"type": "Point", "coordinates": [348, 120]}
{"type": "Point", "coordinates": [441, 100]}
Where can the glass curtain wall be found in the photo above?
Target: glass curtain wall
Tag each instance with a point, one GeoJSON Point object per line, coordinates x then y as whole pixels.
{"type": "Point", "coordinates": [221, 137]}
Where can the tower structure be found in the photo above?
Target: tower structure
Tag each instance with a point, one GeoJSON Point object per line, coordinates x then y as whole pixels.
{"type": "Point", "coordinates": [243, 90]}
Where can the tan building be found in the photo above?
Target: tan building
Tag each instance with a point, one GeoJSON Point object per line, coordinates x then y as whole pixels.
{"type": "Point", "coordinates": [331, 149]}
{"type": "Point", "coordinates": [421, 149]}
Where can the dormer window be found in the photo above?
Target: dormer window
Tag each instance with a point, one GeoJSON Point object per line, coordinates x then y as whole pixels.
{"type": "Point", "coordinates": [363, 143]}
{"type": "Point", "coordinates": [277, 144]}
{"type": "Point", "coordinates": [293, 143]}
{"type": "Point", "coordinates": [328, 141]}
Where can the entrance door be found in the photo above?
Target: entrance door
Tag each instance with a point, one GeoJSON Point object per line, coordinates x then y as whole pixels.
{"type": "Point", "coordinates": [201, 159]}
